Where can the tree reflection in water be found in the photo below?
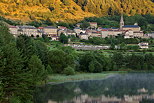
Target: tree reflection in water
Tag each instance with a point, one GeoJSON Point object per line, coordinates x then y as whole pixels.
{"type": "Point", "coordinates": [122, 88]}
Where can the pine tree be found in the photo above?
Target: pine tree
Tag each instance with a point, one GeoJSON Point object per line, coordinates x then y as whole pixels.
{"type": "Point", "coordinates": [15, 79]}
{"type": "Point", "coordinates": [37, 69]}
{"type": "Point", "coordinates": [26, 45]}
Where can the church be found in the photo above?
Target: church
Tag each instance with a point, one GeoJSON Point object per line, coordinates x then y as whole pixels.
{"type": "Point", "coordinates": [130, 31]}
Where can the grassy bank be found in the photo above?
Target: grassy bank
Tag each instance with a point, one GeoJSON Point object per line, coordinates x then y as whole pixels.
{"type": "Point", "coordinates": [58, 78]}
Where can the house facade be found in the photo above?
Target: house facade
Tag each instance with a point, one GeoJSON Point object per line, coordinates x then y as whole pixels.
{"type": "Point", "coordinates": [51, 32]}
{"type": "Point", "coordinates": [93, 25]}
{"type": "Point", "coordinates": [14, 30]}
{"type": "Point", "coordinates": [29, 31]}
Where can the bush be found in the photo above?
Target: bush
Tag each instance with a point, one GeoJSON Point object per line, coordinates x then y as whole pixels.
{"type": "Point", "coordinates": [15, 100]}
{"type": "Point", "coordinates": [49, 69]}
{"type": "Point", "coordinates": [69, 71]}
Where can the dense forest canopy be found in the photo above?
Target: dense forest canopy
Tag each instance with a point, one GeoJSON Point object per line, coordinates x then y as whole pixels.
{"type": "Point", "coordinates": [70, 10]}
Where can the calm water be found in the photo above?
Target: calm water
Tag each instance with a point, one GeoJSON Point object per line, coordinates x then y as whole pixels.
{"type": "Point", "coordinates": [121, 88]}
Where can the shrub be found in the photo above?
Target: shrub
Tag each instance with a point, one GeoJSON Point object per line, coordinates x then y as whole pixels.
{"type": "Point", "coordinates": [49, 69]}
{"type": "Point", "coordinates": [69, 71]}
{"type": "Point", "coordinates": [15, 100]}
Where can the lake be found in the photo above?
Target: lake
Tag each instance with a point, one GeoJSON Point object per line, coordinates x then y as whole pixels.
{"type": "Point", "coordinates": [119, 88]}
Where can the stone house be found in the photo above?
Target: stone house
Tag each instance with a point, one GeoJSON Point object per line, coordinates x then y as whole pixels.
{"type": "Point", "coordinates": [14, 30]}
{"type": "Point", "coordinates": [51, 31]}
{"type": "Point", "coordinates": [93, 25]}
{"type": "Point", "coordinates": [29, 31]}
{"type": "Point", "coordinates": [110, 32]}
{"type": "Point", "coordinates": [77, 30]}
{"type": "Point", "coordinates": [83, 36]}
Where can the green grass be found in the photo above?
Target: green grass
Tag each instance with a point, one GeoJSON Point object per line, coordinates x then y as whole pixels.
{"type": "Point", "coordinates": [58, 78]}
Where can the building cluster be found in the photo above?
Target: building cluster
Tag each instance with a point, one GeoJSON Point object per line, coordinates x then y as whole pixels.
{"type": "Point", "coordinates": [129, 31]}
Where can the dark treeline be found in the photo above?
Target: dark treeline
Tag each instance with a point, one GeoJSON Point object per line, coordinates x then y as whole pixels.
{"type": "Point", "coordinates": [25, 62]}
{"type": "Point", "coordinates": [95, 62]}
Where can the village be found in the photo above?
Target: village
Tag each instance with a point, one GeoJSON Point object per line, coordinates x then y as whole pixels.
{"type": "Point", "coordinates": [129, 31]}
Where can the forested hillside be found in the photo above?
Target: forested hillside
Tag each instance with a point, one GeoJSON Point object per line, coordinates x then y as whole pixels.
{"type": "Point", "coordinates": [70, 10]}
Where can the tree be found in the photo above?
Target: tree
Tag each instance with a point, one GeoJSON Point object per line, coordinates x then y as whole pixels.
{"type": "Point", "coordinates": [26, 45]}
{"type": "Point", "coordinates": [45, 38]}
{"type": "Point", "coordinates": [69, 71]}
{"type": "Point", "coordinates": [49, 70]}
{"type": "Point", "coordinates": [85, 61]}
{"type": "Point", "coordinates": [93, 62]}
{"type": "Point", "coordinates": [98, 67]}
{"type": "Point", "coordinates": [37, 69]}
{"type": "Point", "coordinates": [15, 79]}
{"type": "Point", "coordinates": [118, 59]}
{"type": "Point", "coordinates": [85, 24]}
{"type": "Point", "coordinates": [123, 46]}
{"type": "Point", "coordinates": [63, 38]}
{"type": "Point", "coordinates": [91, 67]}
{"type": "Point", "coordinates": [58, 60]}
{"type": "Point", "coordinates": [135, 61]}
{"type": "Point", "coordinates": [112, 47]}
{"type": "Point", "coordinates": [5, 36]}
{"type": "Point", "coordinates": [145, 66]}
{"type": "Point", "coordinates": [41, 51]}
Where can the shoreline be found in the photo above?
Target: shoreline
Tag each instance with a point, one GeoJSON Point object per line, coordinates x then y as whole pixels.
{"type": "Point", "coordinates": [61, 78]}
{"type": "Point", "coordinates": [58, 79]}
{"type": "Point", "coordinates": [54, 83]}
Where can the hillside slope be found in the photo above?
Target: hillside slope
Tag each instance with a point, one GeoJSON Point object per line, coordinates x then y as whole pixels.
{"type": "Point", "coordinates": [70, 10]}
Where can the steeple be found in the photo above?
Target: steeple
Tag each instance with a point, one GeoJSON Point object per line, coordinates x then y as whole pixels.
{"type": "Point", "coordinates": [122, 22]}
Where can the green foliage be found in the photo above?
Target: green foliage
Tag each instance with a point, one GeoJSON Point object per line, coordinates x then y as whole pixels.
{"type": "Point", "coordinates": [58, 60]}
{"type": "Point", "coordinates": [15, 79]}
{"type": "Point", "coordinates": [49, 70]}
{"type": "Point", "coordinates": [19, 71]}
{"type": "Point", "coordinates": [123, 46]}
{"type": "Point", "coordinates": [26, 45]}
{"type": "Point", "coordinates": [37, 69]}
{"type": "Point", "coordinates": [91, 67]}
{"type": "Point", "coordinates": [5, 36]}
{"type": "Point", "coordinates": [133, 47]}
{"type": "Point", "coordinates": [85, 25]}
{"type": "Point", "coordinates": [69, 71]}
{"type": "Point", "coordinates": [96, 40]}
{"type": "Point", "coordinates": [41, 51]}
{"type": "Point", "coordinates": [15, 100]}
{"type": "Point", "coordinates": [119, 60]}
{"type": "Point", "coordinates": [93, 62]}
{"type": "Point", "coordinates": [45, 38]}
{"type": "Point", "coordinates": [63, 38]}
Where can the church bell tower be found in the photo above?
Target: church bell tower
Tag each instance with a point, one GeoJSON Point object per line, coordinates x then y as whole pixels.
{"type": "Point", "coordinates": [122, 22]}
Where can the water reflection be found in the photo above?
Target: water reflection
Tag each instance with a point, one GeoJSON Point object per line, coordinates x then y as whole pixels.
{"type": "Point", "coordinates": [122, 88]}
